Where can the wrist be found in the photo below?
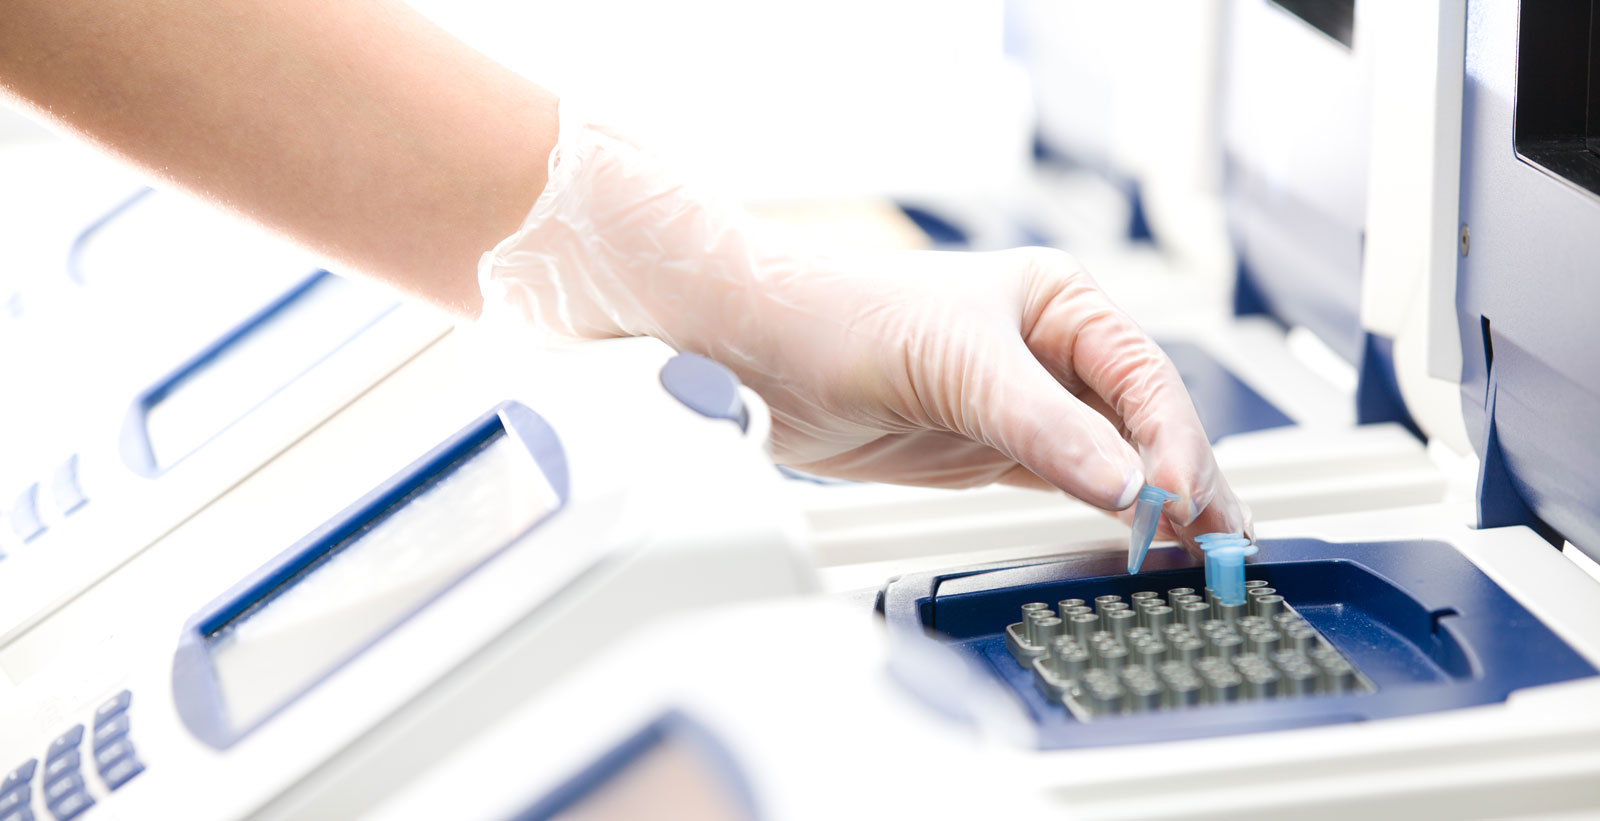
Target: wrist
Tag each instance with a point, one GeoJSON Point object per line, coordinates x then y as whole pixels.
{"type": "Point", "coordinates": [617, 245]}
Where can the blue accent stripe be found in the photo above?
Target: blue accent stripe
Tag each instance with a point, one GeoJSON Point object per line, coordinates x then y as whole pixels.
{"type": "Point", "coordinates": [196, 692]}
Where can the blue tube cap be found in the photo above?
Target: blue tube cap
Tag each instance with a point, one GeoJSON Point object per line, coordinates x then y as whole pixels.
{"type": "Point", "coordinates": [1211, 542]}
{"type": "Point", "coordinates": [1228, 586]}
{"type": "Point", "coordinates": [1146, 517]}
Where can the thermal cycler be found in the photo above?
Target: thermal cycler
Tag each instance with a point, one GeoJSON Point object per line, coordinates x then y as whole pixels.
{"type": "Point", "coordinates": [184, 350]}
{"type": "Point", "coordinates": [318, 660]}
{"type": "Point", "coordinates": [1452, 649]}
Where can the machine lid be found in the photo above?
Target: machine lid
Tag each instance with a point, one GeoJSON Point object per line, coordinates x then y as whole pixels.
{"type": "Point", "coordinates": [1528, 278]}
{"type": "Point", "coordinates": [1296, 98]}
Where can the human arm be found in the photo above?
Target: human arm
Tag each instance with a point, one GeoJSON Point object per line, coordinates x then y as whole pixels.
{"type": "Point", "coordinates": [357, 128]}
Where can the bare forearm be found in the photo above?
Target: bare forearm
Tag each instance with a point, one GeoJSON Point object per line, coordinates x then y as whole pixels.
{"type": "Point", "coordinates": [356, 127]}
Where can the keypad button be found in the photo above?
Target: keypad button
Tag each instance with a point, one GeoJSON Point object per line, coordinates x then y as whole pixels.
{"type": "Point", "coordinates": [64, 487]}
{"type": "Point", "coordinates": [112, 729]}
{"type": "Point", "coordinates": [20, 775]}
{"type": "Point", "coordinates": [24, 514]}
{"type": "Point", "coordinates": [118, 774]}
{"type": "Point", "coordinates": [13, 798]}
{"type": "Point", "coordinates": [60, 766]}
{"type": "Point", "coordinates": [112, 753]}
{"type": "Point", "coordinates": [71, 805]}
{"type": "Point", "coordinates": [61, 787]}
{"type": "Point", "coordinates": [65, 742]}
{"type": "Point", "coordinates": [24, 814]}
{"type": "Point", "coordinates": [114, 706]}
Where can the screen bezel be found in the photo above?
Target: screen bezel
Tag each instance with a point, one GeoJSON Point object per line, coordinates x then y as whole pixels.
{"type": "Point", "coordinates": [673, 726]}
{"type": "Point", "coordinates": [196, 690]}
{"type": "Point", "coordinates": [138, 453]}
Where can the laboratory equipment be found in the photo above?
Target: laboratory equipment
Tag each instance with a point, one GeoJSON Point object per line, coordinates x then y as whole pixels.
{"type": "Point", "coordinates": [178, 351]}
{"type": "Point", "coordinates": [1146, 518]}
{"type": "Point", "coordinates": [454, 524]}
{"type": "Point", "coordinates": [1469, 638]}
{"type": "Point", "coordinates": [1163, 673]}
{"type": "Point", "coordinates": [1479, 643]}
{"type": "Point", "coordinates": [1418, 584]}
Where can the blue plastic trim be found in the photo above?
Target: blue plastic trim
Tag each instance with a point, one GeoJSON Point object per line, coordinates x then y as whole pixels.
{"type": "Point", "coordinates": [1431, 631]}
{"type": "Point", "coordinates": [1247, 297]}
{"type": "Point", "coordinates": [672, 725]}
{"type": "Point", "coordinates": [24, 514]}
{"type": "Point", "coordinates": [1378, 397]}
{"type": "Point", "coordinates": [1499, 504]}
{"type": "Point", "coordinates": [802, 476]}
{"type": "Point", "coordinates": [65, 488]}
{"type": "Point", "coordinates": [1048, 153]}
{"type": "Point", "coordinates": [940, 231]}
{"type": "Point", "coordinates": [706, 387]}
{"type": "Point", "coordinates": [134, 442]}
{"type": "Point", "coordinates": [194, 685]}
{"type": "Point", "coordinates": [1138, 223]}
{"type": "Point", "coordinates": [81, 242]}
{"type": "Point", "coordinates": [1226, 405]}
{"type": "Point", "coordinates": [1525, 299]}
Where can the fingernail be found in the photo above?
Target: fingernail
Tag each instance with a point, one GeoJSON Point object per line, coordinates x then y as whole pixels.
{"type": "Point", "coordinates": [1130, 490]}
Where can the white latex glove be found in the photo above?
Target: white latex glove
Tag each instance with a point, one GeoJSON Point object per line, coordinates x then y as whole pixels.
{"type": "Point", "coordinates": [944, 369]}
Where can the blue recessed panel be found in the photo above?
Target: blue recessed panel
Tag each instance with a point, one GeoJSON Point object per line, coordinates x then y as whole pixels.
{"type": "Point", "coordinates": [1426, 626]}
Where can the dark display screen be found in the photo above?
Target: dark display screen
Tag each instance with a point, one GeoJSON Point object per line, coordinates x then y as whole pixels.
{"type": "Point", "coordinates": [1558, 89]}
{"type": "Point", "coordinates": [1335, 18]}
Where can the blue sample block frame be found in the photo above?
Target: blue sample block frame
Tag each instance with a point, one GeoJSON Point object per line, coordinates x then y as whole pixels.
{"type": "Point", "coordinates": [1428, 628]}
{"type": "Point", "coordinates": [196, 691]}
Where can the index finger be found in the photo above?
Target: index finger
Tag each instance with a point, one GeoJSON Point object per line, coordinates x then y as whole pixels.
{"type": "Point", "coordinates": [1082, 337]}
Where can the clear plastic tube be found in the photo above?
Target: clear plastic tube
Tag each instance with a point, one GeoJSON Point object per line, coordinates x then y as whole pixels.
{"type": "Point", "coordinates": [1209, 542]}
{"type": "Point", "coordinates": [1146, 517]}
{"type": "Point", "coordinates": [1228, 585]}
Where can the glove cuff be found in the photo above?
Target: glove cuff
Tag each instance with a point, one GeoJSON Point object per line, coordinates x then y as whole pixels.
{"type": "Point", "coordinates": [616, 245]}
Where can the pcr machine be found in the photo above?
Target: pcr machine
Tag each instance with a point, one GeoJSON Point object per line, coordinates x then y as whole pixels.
{"type": "Point", "coordinates": [182, 351]}
{"type": "Point", "coordinates": [312, 655]}
{"type": "Point", "coordinates": [313, 601]}
{"type": "Point", "coordinates": [1430, 664]}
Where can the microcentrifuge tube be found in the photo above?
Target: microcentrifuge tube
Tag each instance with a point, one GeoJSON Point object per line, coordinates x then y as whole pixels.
{"type": "Point", "coordinates": [1211, 541]}
{"type": "Point", "coordinates": [1228, 585]}
{"type": "Point", "coordinates": [1146, 516]}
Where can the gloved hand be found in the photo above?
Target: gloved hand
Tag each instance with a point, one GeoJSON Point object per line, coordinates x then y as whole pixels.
{"type": "Point", "coordinates": [944, 369]}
